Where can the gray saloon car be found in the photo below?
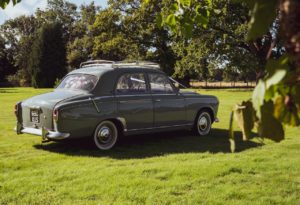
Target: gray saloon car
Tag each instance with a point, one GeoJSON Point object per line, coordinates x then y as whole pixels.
{"type": "Point", "coordinates": [105, 100]}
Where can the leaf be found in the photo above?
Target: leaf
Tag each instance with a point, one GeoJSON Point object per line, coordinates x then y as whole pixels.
{"type": "Point", "coordinates": [270, 93]}
{"type": "Point", "coordinates": [187, 27]}
{"type": "Point", "coordinates": [208, 3]}
{"type": "Point", "coordinates": [217, 11]}
{"type": "Point", "coordinates": [263, 14]}
{"type": "Point", "coordinates": [171, 21]}
{"type": "Point", "coordinates": [202, 11]}
{"type": "Point", "coordinates": [275, 78]}
{"type": "Point", "coordinates": [185, 3]}
{"type": "Point", "coordinates": [231, 134]}
{"type": "Point", "coordinates": [258, 97]}
{"type": "Point", "coordinates": [4, 3]}
{"type": "Point", "coordinates": [281, 63]}
{"type": "Point", "coordinates": [245, 116]}
{"type": "Point", "coordinates": [174, 7]}
{"type": "Point", "coordinates": [159, 20]}
{"type": "Point", "coordinates": [285, 110]}
{"type": "Point", "coordinates": [268, 126]}
{"type": "Point", "coordinates": [296, 94]}
{"type": "Point", "coordinates": [201, 20]}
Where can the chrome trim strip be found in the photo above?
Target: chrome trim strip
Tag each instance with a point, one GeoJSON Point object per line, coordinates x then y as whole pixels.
{"type": "Point", "coordinates": [95, 105]}
{"type": "Point", "coordinates": [49, 134]}
{"type": "Point", "coordinates": [162, 127]}
{"type": "Point", "coordinates": [154, 94]}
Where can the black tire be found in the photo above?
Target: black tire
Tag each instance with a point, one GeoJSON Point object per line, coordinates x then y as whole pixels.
{"type": "Point", "coordinates": [106, 135]}
{"type": "Point", "coordinates": [203, 123]}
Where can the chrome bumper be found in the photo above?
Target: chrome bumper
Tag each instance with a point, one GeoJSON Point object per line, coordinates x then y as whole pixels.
{"type": "Point", "coordinates": [46, 134]}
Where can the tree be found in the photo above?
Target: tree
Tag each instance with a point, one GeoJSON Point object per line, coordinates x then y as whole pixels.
{"type": "Point", "coordinates": [5, 66]}
{"type": "Point", "coordinates": [276, 98]}
{"type": "Point", "coordinates": [61, 11]}
{"type": "Point", "coordinates": [47, 60]}
{"type": "Point", "coordinates": [138, 24]}
{"type": "Point", "coordinates": [18, 35]}
{"type": "Point", "coordinates": [110, 42]}
{"type": "Point", "coordinates": [80, 49]}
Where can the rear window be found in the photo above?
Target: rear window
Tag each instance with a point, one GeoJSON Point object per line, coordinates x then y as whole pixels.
{"type": "Point", "coordinates": [79, 82]}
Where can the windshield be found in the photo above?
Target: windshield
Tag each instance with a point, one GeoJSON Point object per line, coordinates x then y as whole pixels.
{"type": "Point", "coordinates": [79, 81]}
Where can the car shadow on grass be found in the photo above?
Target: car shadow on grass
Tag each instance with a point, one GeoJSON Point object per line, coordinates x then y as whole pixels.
{"type": "Point", "coordinates": [151, 145]}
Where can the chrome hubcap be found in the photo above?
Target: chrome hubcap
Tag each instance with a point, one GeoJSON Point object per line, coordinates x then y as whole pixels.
{"type": "Point", "coordinates": [202, 123]}
{"type": "Point", "coordinates": [104, 134]}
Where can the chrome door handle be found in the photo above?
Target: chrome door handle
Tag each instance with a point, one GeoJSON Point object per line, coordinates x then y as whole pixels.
{"type": "Point", "coordinates": [157, 100]}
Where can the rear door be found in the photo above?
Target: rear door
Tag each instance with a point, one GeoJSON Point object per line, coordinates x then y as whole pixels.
{"type": "Point", "coordinates": [169, 105]}
{"type": "Point", "coordinates": [134, 101]}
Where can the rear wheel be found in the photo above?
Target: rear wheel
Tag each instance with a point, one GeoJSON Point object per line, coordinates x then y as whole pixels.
{"type": "Point", "coordinates": [203, 123]}
{"type": "Point", "coordinates": [106, 135]}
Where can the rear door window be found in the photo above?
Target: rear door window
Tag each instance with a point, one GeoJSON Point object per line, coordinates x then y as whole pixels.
{"type": "Point", "coordinates": [131, 83]}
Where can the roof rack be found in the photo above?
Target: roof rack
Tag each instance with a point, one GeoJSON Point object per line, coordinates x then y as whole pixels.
{"type": "Point", "coordinates": [95, 62]}
{"type": "Point", "coordinates": [146, 64]}
{"type": "Point", "coordinates": [120, 64]}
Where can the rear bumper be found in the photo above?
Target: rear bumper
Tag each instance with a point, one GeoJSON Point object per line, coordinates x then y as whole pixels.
{"type": "Point", "coordinates": [46, 134]}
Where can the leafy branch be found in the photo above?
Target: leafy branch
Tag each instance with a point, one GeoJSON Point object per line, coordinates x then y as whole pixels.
{"type": "Point", "coordinates": [4, 3]}
{"type": "Point", "coordinates": [276, 98]}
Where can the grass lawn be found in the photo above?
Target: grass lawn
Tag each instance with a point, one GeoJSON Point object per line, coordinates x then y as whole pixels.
{"type": "Point", "coordinates": [164, 168]}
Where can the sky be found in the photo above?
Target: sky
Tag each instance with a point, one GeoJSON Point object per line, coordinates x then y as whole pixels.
{"type": "Point", "coordinates": [27, 7]}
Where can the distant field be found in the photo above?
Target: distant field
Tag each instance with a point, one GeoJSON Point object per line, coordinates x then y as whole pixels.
{"type": "Point", "coordinates": [223, 84]}
{"type": "Point", "coordinates": [165, 168]}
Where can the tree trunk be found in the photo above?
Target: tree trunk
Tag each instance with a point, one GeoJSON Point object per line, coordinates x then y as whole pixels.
{"type": "Point", "coordinates": [290, 27]}
{"type": "Point", "coordinates": [185, 81]}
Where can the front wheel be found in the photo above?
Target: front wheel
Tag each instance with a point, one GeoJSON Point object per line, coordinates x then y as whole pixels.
{"type": "Point", "coordinates": [106, 135]}
{"type": "Point", "coordinates": [203, 123]}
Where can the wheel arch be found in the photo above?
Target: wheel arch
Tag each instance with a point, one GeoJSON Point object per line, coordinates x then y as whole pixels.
{"type": "Point", "coordinates": [119, 122]}
{"type": "Point", "coordinates": [209, 110]}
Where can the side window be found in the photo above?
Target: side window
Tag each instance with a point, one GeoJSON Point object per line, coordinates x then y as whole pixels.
{"type": "Point", "coordinates": [131, 83]}
{"type": "Point", "coordinates": [160, 84]}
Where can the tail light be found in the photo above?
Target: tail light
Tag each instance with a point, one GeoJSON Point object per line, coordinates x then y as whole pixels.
{"type": "Point", "coordinates": [55, 115]}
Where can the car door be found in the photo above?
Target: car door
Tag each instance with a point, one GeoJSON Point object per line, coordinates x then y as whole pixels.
{"type": "Point", "coordinates": [134, 101]}
{"type": "Point", "coordinates": [169, 105]}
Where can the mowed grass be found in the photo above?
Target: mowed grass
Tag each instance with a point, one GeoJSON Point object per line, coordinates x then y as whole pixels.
{"type": "Point", "coordinates": [164, 168]}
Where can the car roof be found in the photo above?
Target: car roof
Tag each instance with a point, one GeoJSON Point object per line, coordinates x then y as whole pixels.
{"type": "Point", "coordinates": [99, 70]}
{"type": "Point", "coordinates": [108, 75]}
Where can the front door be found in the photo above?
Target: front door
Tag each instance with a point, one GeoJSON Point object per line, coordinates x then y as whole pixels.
{"type": "Point", "coordinates": [169, 105]}
{"type": "Point", "coordinates": [134, 101]}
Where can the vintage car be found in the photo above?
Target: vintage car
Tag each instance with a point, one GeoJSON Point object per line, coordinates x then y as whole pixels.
{"type": "Point", "coordinates": [105, 100]}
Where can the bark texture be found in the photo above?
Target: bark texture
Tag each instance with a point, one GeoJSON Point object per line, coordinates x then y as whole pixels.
{"type": "Point", "coordinates": [290, 25]}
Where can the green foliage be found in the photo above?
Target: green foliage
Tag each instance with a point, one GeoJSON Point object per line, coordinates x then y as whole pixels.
{"type": "Point", "coordinates": [262, 16]}
{"type": "Point", "coordinates": [57, 82]}
{"type": "Point", "coordinates": [184, 14]}
{"type": "Point", "coordinates": [273, 100]}
{"type": "Point", "coordinates": [5, 65]}
{"type": "Point", "coordinates": [4, 3]}
{"type": "Point", "coordinates": [268, 125]}
{"type": "Point", "coordinates": [81, 48]}
{"type": "Point", "coordinates": [245, 116]}
{"type": "Point", "coordinates": [47, 60]}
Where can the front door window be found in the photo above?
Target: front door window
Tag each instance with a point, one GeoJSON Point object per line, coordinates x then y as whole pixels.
{"type": "Point", "coordinates": [160, 84]}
